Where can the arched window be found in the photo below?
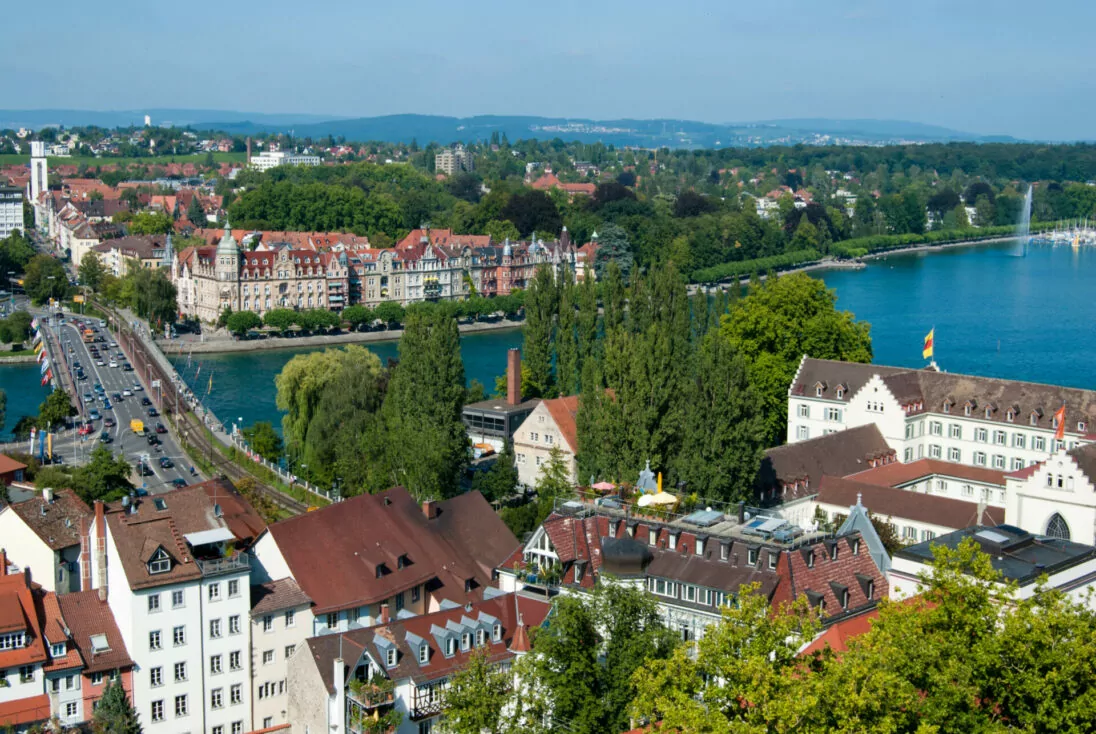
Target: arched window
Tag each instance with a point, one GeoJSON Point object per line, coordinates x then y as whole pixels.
{"type": "Point", "coordinates": [1057, 527]}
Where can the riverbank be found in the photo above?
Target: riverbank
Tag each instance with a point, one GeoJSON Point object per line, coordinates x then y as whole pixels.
{"type": "Point", "coordinates": [222, 344]}
{"type": "Point", "coordinates": [19, 359]}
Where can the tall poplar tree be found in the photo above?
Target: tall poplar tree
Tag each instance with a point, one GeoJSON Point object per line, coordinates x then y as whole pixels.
{"type": "Point", "coordinates": [567, 348]}
{"type": "Point", "coordinates": [614, 297]}
{"type": "Point", "coordinates": [587, 317]}
{"type": "Point", "coordinates": [423, 445]}
{"type": "Point", "coordinates": [540, 308]}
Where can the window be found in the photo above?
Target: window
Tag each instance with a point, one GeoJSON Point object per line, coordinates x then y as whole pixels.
{"type": "Point", "coordinates": [290, 618]}
{"type": "Point", "coordinates": [70, 709]}
{"type": "Point", "coordinates": [217, 698]}
{"type": "Point", "coordinates": [178, 636]}
{"type": "Point", "coordinates": [833, 415]}
{"type": "Point", "coordinates": [968, 490]}
{"type": "Point", "coordinates": [96, 679]}
{"type": "Point", "coordinates": [496, 632]}
{"type": "Point", "coordinates": [268, 657]}
{"type": "Point", "coordinates": [416, 594]}
{"type": "Point", "coordinates": [724, 551]}
{"type": "Point", "coordinates": [772, 561]}
{"type": "Point", "coordinates": [966, 409]}
{"type": "Point", "coordinates": [158, 710]}
{"type": "Point", "coordinates": [802, 433]}
{"type": "Point", "coordinates": [844, 598]}
{"type": "Point", "coordinates": [980, 435]}
{"type": "Point", "coordinates": [399, 601]}
{"type": "Point", "coordinates": [13, 641]}
{"type": "Point", "coordinates": [289, 650]}
{"type": "Point", "coordinates": [548, 438]}
{"type": "Point", "coordinates": [215, 664]}
{"type": "Point", "coordinates": [154, 603]}
{"type": "Point", "coordinates": [214, 592]}
{"type": "Point", "coordinates": [215, 629]}
{"type": "Point", "coordinates": [751, 557]}
{"type": "Point", "coordinates": [998, 461]}
{"type": "Point", "coordinates": [534, 436]}
{"type": "Point", "coordinates": [237, 727]}
{"type": "Point", "coordinates": [268, 721]}
{"type": "Point", "coordinates": [979, 458]}
{"type": "Point", "coordinates": [927, 535]}
{"type": "Point", "coordinates": [57, 650]}
{"type": "Point", "coordinates": [955, 430]}
{"type": "Point", "coordinates": [424, 654]}
{"type": "Point", "coordinates": [934, 451]}
{"type": "Point", "coordinates": [941, 486]}
{"type": "Point", "coordinates": [160, 562]}
{"type": "Point", "coordinates": [234, 660]}
{"type": "Point", "coordinates": [909, 533]}
{"type": "Point", "coordinates": [1039, 443]}
{"type": "Point", "coordinates": [156, 676]}
{"type": "Point", "coordinates": [652, 536]}
{"type": "Point", "coordinates": [810, 559]}
{"type": "Point", "coordinates": [1000, 438]}
{"type": "Point", "coordinates": [176, 599]}
{"type": "Point", "coordinates": [481, 638]}
{"type": "Point", "coordinates": [450, 647]}
{"type": "Point", "coordinates": [234, 624]}
{"type": "Point", "coordinates": [907, 455]}
{"type": "Point", "coordinates": [955, 455]}
{"type": "Point", "coordinates": [219, 729]}
{"type": "Point", "coordinates": [154, 640]}
{"type": "Point", "coordinates": [1057, 527]}
{"type": "Point", "coordinates": [856, 546]}
{"type": "Point", "coordinates": [390, 657]}
{"type": "Point", "coordinates": [236, 693]}
{"type": "Point", "coordinates": [234, 587]}
{"type": "Point", "coordinates": [180, 705]}
{"type": "Point", "coordinates": [936, 428]}
{"type": "Point", "coordinates": [833, 551]}
{"type": "Point", "coordinates": [180, 672]}
{"type": "Point", "coordinates": [1017, 464]}
{"type": "Point", "coordinates": [804, 410]}
{"type": "Point", "coordinates": [465, 641]}
{"type": "Point", "coordinates": [1018, 440]}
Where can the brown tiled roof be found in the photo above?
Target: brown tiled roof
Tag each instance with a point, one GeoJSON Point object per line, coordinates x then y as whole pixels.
{"type": "Point", "coordinates": [9, 465]}
{"type": "Point", "coordinates": [1085, 456]}
{"type": "Point", "coordinates": [896, 474]}
{"type": "Point", "coordinates": [19, 612]}
{"type": "Point", "coordinates": [564, 412]}
{"type": "Point", "coordinates": [238, 514]}
{"type": "Point", "coordinates": [337, 553]}
{"type": "Point", "coordinates": [53, 627]}
{"type": "Point", "coordinates": [275, 596]}
{"type": "Point", "coordinates": [831, 373]}
{"type": "Point", "coordinates": [906, 504]}
{"type": "Point", "coordinates": [86, 615]}
{"type": "Point", "coordinates": [827, 577]}
{"type": "Point", "coordinates": [505, 608]}
{"type": "Point", "coordinates": [713, 574]}
{"type": "Point", "coordinates": [59, 526]}
{"type": "Point", "coordinates": [801, 465]}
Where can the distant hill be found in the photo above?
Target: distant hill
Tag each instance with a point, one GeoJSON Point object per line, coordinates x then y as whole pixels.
{"type": "Point", "coordinates": [446, 130]}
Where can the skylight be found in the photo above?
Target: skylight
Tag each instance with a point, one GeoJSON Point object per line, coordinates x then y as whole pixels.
{"type": "Point", "coordinates": [99, 644]}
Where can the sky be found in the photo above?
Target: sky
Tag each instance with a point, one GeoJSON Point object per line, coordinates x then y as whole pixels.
{"type": "Point", "coordinates": [1003, 67]}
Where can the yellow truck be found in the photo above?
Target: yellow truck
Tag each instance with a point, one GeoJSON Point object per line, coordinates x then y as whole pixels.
{"type": "Point", "coordinates": [137, 426]}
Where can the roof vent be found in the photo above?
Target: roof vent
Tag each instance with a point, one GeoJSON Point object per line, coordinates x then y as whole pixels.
{"type": "Point", "coordinates": [217, 511]}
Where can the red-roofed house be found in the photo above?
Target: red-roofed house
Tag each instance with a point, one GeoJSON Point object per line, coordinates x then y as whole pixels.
{"type": "Point", "coordinates": [551, 181]}
{"type": "Point", "coordinates": [10, 470]}
{"type": "Point", "coordinates": [550, 425]}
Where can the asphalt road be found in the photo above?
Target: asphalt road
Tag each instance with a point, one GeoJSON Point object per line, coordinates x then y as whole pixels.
{"type": "Point", "coordinates": [117, 381]}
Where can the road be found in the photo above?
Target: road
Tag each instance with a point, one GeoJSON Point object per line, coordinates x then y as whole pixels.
{"type": "Point", "coordinates": [116, 381]}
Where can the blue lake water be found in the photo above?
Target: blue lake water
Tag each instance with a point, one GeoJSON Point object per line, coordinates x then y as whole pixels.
{"type": "Point", "coordinates": [23, 385]}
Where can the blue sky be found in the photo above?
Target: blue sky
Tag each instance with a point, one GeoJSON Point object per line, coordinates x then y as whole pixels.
{"type": "Point", "coordinates": [1001, 67]}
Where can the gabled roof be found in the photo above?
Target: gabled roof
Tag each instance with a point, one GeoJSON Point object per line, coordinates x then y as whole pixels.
{"type": "Point", "coordinates": [564, 412]}
{"type": "Point", "coordinates": [86, 617]}
{"type": "Point", "coordinates": [426, 629]}
{"type": "Point", "coordinates": [801, 465]}
{"type": "Point", "coordinates": [276, 596]}
{"type": "Point", "coordinates": [906, 504]}
{"type": "Point", "coordinates": [18, 611]}
{"type": "Point", "coordinates": [57, 523]}
{"type": "Point", "coordinates": [898, 474]}
{"type": "Point", "coordinates": [347, 554]}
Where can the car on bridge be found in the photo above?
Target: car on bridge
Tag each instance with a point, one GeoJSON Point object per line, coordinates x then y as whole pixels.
{"type": "Point", "coordinates": [93, 414]}
{"type": "Point", "coordinates": [178, 483]}
{"type": "Point", "coordinates": [145, 401]}
{"type": "Point", "coordinates": [109, 422]}
{"type": "Point", "coordinates": [166, 463]}
{"type": "Point", "coordinates": [152, 413]}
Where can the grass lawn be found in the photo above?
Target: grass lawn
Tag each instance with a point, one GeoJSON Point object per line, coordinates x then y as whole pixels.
{"type": "Point", "coordinates": [8, 159]}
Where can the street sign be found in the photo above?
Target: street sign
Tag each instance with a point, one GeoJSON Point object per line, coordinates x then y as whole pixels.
{"type": "Point", "coordinates": [155, 383]}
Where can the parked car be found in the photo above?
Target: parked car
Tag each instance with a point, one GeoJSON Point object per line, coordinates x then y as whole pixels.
{"type": "Point", "coordinates": [94, 414]}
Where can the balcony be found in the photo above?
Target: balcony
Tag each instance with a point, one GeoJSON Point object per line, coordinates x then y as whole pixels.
{"type": "Point", "coordinates": [223, 565]}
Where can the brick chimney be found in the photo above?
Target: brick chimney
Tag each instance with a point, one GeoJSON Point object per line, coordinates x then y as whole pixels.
{"type": "Point", "coordinates": [85, 554]}
{"type": "Point", "coordinates": [3, 562]}
{"type": "Point", "coordinates": [101, 549]}
{"type": "Point", "coordinates": [384, 614]}
{"type": "Point", "coordinates": [513, 377]}
{"type": "Point", "coordinates": [430, 509]}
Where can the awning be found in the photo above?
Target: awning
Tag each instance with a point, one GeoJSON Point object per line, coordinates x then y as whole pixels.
{"type": "Point", "coordinates": [205, 537]}
{"type": "Point", "coordinates": [662, 498]}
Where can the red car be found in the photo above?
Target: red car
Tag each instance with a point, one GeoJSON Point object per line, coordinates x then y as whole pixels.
{"type": "Point", "coordinates": [85, 429]}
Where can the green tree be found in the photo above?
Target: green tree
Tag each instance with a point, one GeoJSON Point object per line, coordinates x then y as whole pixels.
{"type": "Point", "coordinates": [586, 322]}
{"type": "Point", "coordinates": [45, 278]}
{"type": "Point", "coordinates": [806, 236]}
{"type": "Point", "coordinates": [264, 440]}
{"type": "Point", "coordinates": [103, 477]}
{"type": "Point", "coordinates": [281, 319]}
{"type": "Point", "coordinates": [501, 230]}
{"type": "Point", "coordinates": [389, 312]}
{"type": "Point", "coordinates": [586, 658]}
{"type": "Point", "coordinates": [242, 322]}
{"type": "Point", "coordinates": [424, 445]}
{"type": "Point", "coordinates": [501, 479]}
{"type": "Point", "coordinates": [722, 443]}
{"type": "Point", "coordinates": [55, 410]}
{"type": "Point", "coordinates": [531, 210]}
{"type": "Point", "coordinates": [150, 293]}
{"type": "Point", "coordinates": [150, 223]}
{"type": "Point", "coordinates": [538, 331]}
{"type": "Point", "coordinates": [195, 213]}
{"type": "Point", "coordinates": [357, 315]}
{"type": "Point", "coordinates": [567, 346]}
{"type": "Point", "coordinates": [114, 714]}
{"type": "Point", "coordinates": [477, 697]}
{"type": "Point", "coordinates": [613, 246]}
{"type": "Point", "coordinates": [15, 252]}
{"type": "Point", "coordinates": [91, 271]}
{"type": "Point", "coordinates": [985, 211]}
{"type": "Point", "coordinates": [778, 324]}
{"type": "Point", "coordinates": [615, 295]}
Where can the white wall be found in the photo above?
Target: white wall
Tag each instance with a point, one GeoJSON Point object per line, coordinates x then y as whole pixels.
{"type": "Point", "coordinates": [534, 440]}
{"type": "Point", "coordinates": [267, 563]}
{"type": "Point", "coordinates": [26, 550]}
{"type": "Point", "coordinates": [1033, 501]}
{"type": "Point", "coordinates": [281, 635]}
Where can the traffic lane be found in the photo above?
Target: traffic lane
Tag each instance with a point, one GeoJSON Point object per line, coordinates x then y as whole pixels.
{"type": "Point", "coordinates": [132, 447]}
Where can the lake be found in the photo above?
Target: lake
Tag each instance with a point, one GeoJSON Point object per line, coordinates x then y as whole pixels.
{"type": "Point", "coordinates": [995, 313]}
{"type": "Point", "coordinates": [23, 385]}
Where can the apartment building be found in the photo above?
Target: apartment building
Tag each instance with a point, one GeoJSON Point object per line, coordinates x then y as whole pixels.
{"type": "Point", "coordinates": [346, 566]}
{"type": "Point", "coordinates": [176, 577]}
{"type": "Point", "coordinates": [44, 533]}
{"type": "Point", "coordinates": [552, 424]}
{"type": "Point", "coordinates": [11, 210]}
{"type": "Point", "coordinates": [979, 421]}
{"type": "Point", "coordinates": [330, 680]}
{"type": "Point", "coordinates": [452, 161]}
{"type": "Point", "coordinates": [270, 159]}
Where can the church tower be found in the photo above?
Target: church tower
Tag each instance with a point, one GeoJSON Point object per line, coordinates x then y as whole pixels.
{"type": "Point", "coordinates": [228, 257]}
{"type": "Point", "coordinates": [39, 170]}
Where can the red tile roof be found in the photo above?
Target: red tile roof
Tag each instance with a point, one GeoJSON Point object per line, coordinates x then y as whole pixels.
{"type": "Point", "coordinates": [347, 554]}
{"type": "Point", "coordinates": [86, 615]}
{"type": "Point", "coordinates": [851, 572]}
{"type": "Point", "coordinates": [907, 504]}
{"type": "Point", "coordinates": [564, 412]}
{"type": "Point", "coordinates": [57, 523]}
{"type": "Point", "coordinates": [837, 635]}
{"type": "Point", "coordinates": [25, 710]}
{"type": "Point", "coordinates": [18, 611]}
{"type": "Point", "coordinates": [9, 465]}
{"type": "Point", "coordinates": [896, 474]}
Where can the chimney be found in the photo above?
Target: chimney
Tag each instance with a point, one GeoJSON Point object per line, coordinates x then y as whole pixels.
{"type": "Point", "coordinates": [339, 683]}
{"type": "Point", "coordinates": [47, 495]}
{"type": "Point", "coordinates": [430, 509]}
{"type": "Point", "coordinates": [384, 614]}
{"type": "Point", "coordinates": [85, 554]}
{"type": "Point", "coordinates": [101, 549]}
{"type": "Point", "coordinates": [741, 512]}
{"type": "Point", "coordinates": [513, 377]}
{"type": "Point", "coordinates": [3, 562]}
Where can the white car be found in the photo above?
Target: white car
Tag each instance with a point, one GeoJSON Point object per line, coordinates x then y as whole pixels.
{"type": "Point", "coordinates": [126, 394]}
{"type": "Point", "coordinates": [100, 363]}
{"type": "Point", "coordinates": [137, 387]}
{"type": "Point", "coordinates": [113, 363]}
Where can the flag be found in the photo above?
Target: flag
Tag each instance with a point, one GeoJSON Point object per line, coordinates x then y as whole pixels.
{"type": "Point", "coordinates": [39, 346]}
{"type": "Point", "coordinates": [40, 357]}
{"type": "Point", "coordinates": [926, 351]}
{"type": "Point", "coordinates": [1060, 423]}
{"type": "Point", "coordinates": [34, 323]}
{"type": "Point", "coordinates": [45, 365]}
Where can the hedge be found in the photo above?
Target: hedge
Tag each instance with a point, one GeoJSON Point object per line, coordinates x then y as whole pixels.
{"type": "Point", "coordinates": [745, 268]}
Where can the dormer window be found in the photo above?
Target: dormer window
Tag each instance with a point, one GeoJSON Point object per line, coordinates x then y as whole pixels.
{"type": "Point", "coordinates": [751, 557]}
{"type": "Point", "coordinates": [496, 632]}
{"type": "Point", "coordinates": [772, 560]}
{"type": "Point", "coordinates": [1034, 419]}
{"type": "Point", "coordinates": [1009, 416]}
{"type": "Point", "coordinates": [481, 638]}
{"type": "Point", "coordinates": [966, 409]}
{"type": "Point", "coordinates": [424, 654]}
{"type": "Point", "coordinates": [840, 393]}
{"type": "Point", "coordinates": [845, 599]}
{"type": "Point", "coordinates": [1081, 426]}
{"type": "Point", "coordinates": [989, 413]}
{"type": "Point", "coordinates": [465, 641]}
{"type": "Point", "coordinates": [160, 562]}
{"type": "Point", "coordinates": [870, 590]}
{"type": "Point", "coordinates": [403, 561]}
{"type": "Point", "coordinates": [947, 407]}
{"type": "Point", "coordinates": [810, 559]}
{"type": "Point", "coordinates": [13, 640]}
{"type": "Point", "coordinates": [700, 546]}
{"type": "Point", "coordinates": [450, 647]}
{"type": "Point", "coordinates": [57, 649]}
{"type": "Point", "coordinates": [652, 536]}
{"type": "Point", "coordinates": [833, 552]}
{"type": "Point", "coordinates": [856, 547]}
{"type": "Point", "coordinates": [818, 391]}
{"type": "Point", "coordinates": [382, 570]}
{"type": "Point", "coordinates": [390, 657]}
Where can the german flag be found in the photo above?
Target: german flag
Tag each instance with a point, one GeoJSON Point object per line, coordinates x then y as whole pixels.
{"type": "Point", "coordinates": [926, 351]}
